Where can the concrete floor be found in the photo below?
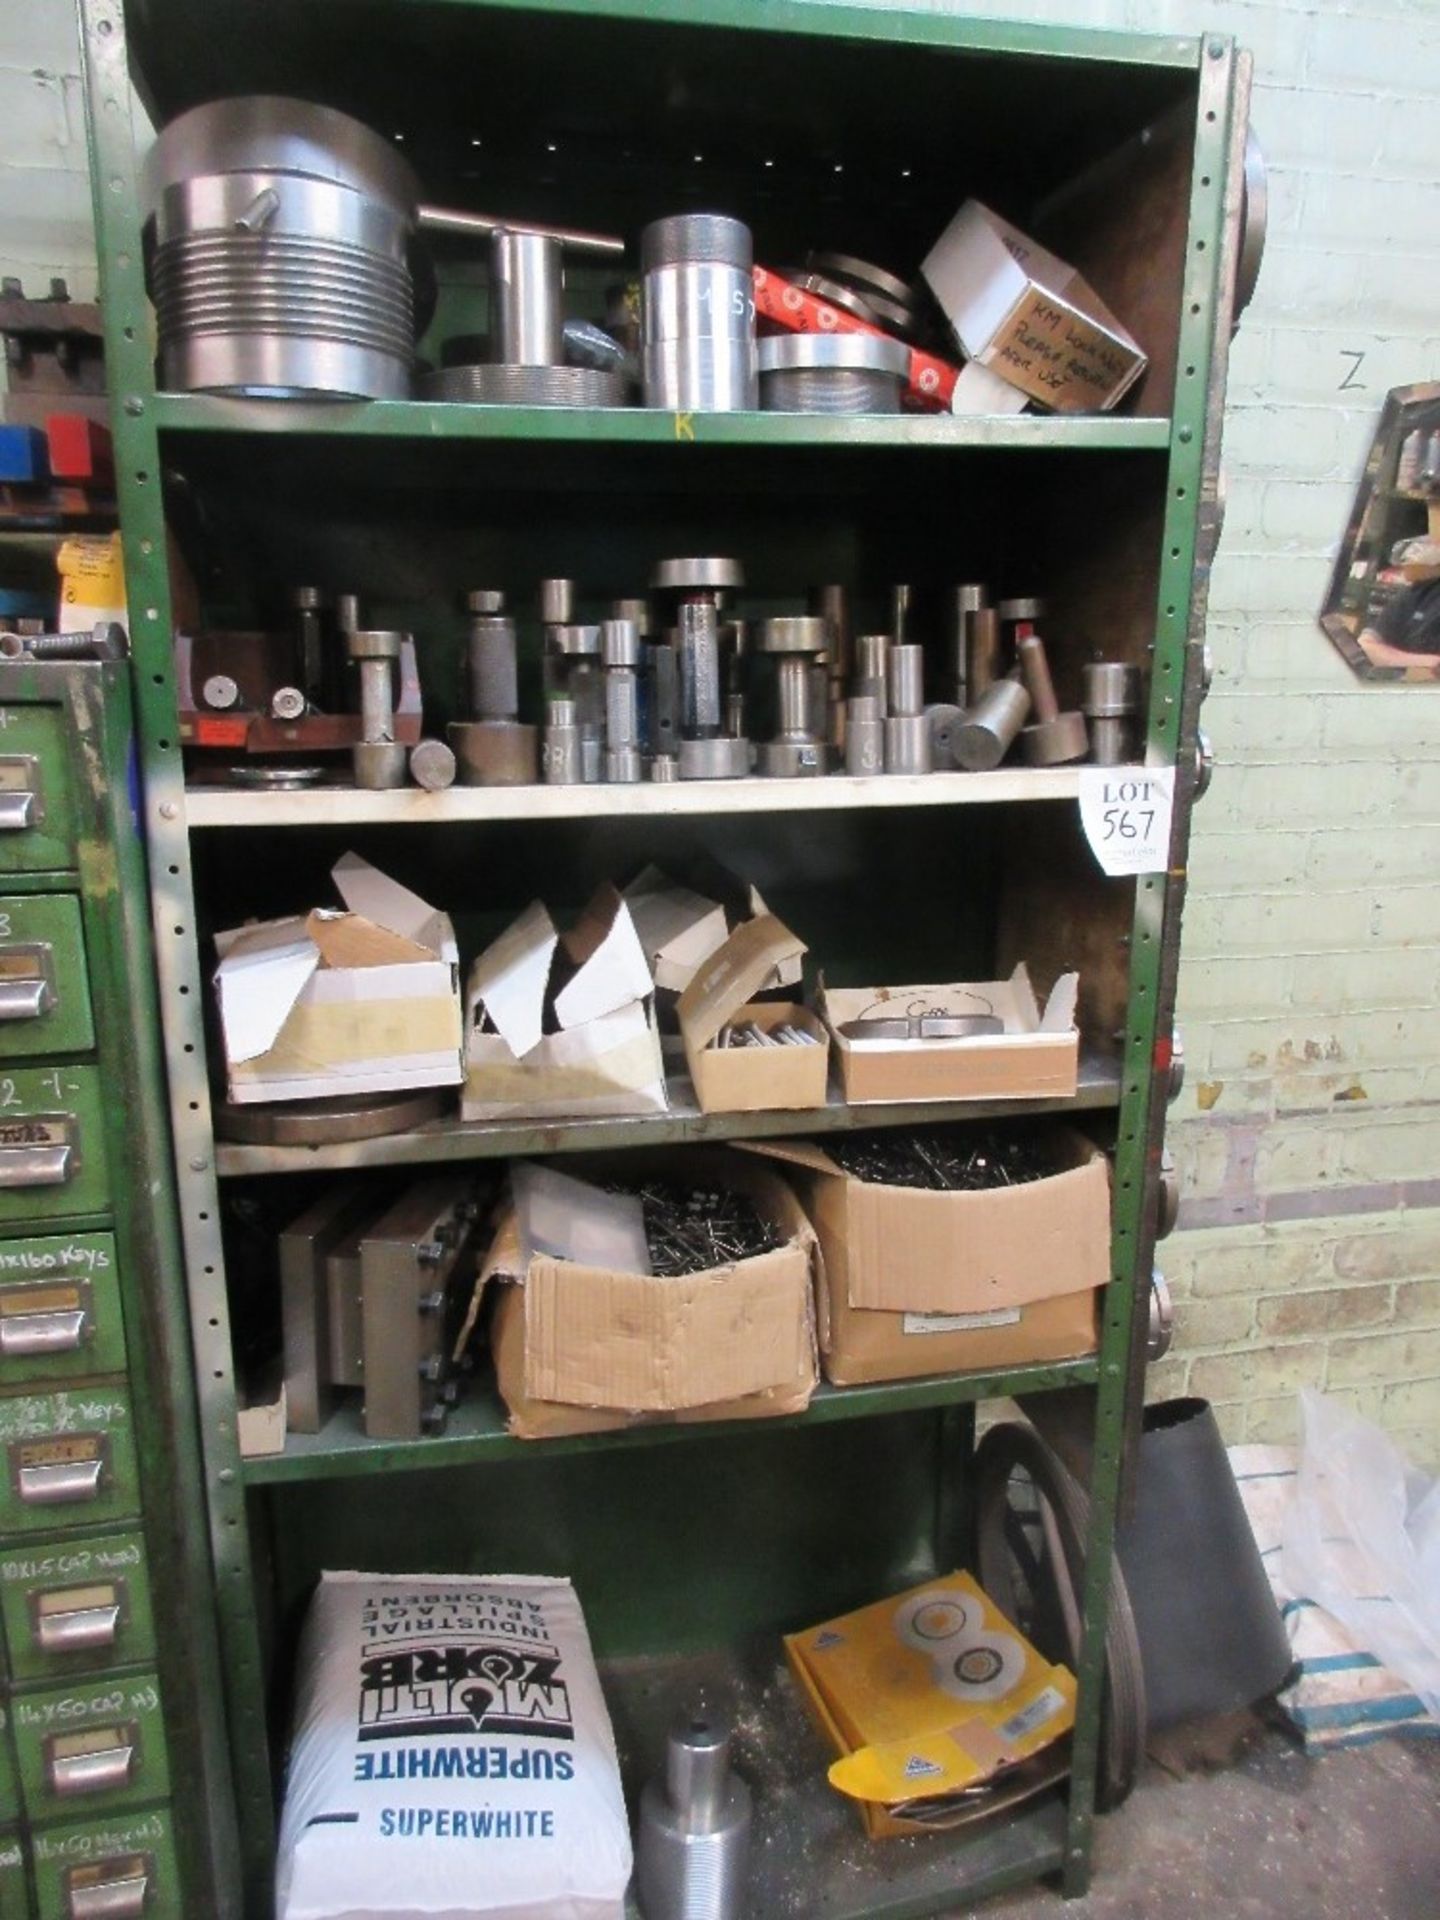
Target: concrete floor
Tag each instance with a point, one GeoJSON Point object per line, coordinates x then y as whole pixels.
{"type": "Point", "coordinates": [1233, 1822]}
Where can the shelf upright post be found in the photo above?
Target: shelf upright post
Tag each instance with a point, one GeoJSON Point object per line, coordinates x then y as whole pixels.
{"type": "Point", "coordinates": [114, 182]}
{"type": "Point", "coordinates": [1210, 244]}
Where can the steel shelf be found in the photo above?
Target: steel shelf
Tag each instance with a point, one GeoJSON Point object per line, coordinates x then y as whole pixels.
{"type": "Point", "coordinates": [809, 1859]}
{"type": "Point", "coordinates": [191, 413]}
{"type": "Point", "coordinates": [476, 1430]}
{"type": "Point", "coordinates": [218, 806]}
{"type": "Point", "coordinates": [451, 1139]}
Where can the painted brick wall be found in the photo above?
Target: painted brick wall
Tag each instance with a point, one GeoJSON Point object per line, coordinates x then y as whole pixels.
{"type": "Point", "coordinates": [1309, 1128]}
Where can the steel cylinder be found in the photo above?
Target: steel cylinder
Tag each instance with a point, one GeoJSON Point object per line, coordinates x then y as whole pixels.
{"type": "Point", "coordinates": [907, 743]}
{"type": "Point", "coordinates": [905, 679]}
{"type": "Point", "coordinates": [991, 727]}
{"type": "Point", "coordinates": [870, 653]}
{"type": "Point", "coordinates": [698, 626]}
{"type": "Point", "coordinates": [560, 749]}
{"type": "Point", "coordinates": [864, 735]}
{"type": "Point", "coordinates": [697, 314]}
{"type": "Point", "coordinates": [494, 678]}
{"type": "Point", "coordinates": [693, 1846]}
{"type": "Point", "coordinates": [527, 281]}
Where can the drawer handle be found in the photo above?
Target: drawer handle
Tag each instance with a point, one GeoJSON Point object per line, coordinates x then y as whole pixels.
{"type": "Point", "coordinates": [25, 999]}
{"type": "Point", "coordinates": [17, 811]}
{"type": "Point", "coordinates": [63, 1330]}
{"type": "Point", "coordinates": [95, 1762]}
{"type": "Point", "coordinates": [79, 1620]}
{"type": "Point", "coordinates": [35, 1166]}
{"type": "Point", "coordinates": [116, 1890]}
{"type": "Point", "coordinates": [63, 1483]}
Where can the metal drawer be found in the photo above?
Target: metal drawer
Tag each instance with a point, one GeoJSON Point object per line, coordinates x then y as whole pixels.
{"type": "Point", "coordinates": [44, 988]}
{"type": "Point", "coordinates": [100, 1745]}
{"type": "Point", "coordinates": [37, 807]}
{"type": "Point", "coordinates": [117, 1869]}
{"type": "Point", "coordinates": [75, 1606]}
{"type": "Point", "coordinates": [68, 1457]}
{"type": "Point", "coordinates": [14, 1881]}
{"type": "Point", "coordinates": [60, 1314]}
{"type": "Point", "coordinates": [52, 1143]}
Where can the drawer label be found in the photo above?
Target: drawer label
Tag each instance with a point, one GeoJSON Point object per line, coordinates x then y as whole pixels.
{"type": "Point", "coordinates": [81, 1254]}
{"type": "Point", "coordinates": [101, 1842]}
{"type": "Point", "coordinates": [71, 1563]}
{"type": "Point", "coordinates": [31, 1416]}
{"type": "Point", "coordinates": [74, 1709]}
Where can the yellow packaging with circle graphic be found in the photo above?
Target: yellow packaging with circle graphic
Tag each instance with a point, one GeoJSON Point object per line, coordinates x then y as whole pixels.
{"type": "Point", "coordinates": [930, 1693]}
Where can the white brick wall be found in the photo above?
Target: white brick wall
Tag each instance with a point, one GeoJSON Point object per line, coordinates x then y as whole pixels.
{"type": "Point", "coordinates": [1311, 1116]}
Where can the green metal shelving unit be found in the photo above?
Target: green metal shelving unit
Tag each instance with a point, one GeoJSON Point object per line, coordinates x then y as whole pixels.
{"type": "Point", "coordinates": [950, 97]}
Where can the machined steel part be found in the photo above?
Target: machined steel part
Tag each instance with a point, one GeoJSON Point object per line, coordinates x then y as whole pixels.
{"type": "Point", "coordinates": [326, 1123]}
{"type": "Point", "coordinates": [106, 640]}
{"type": "Point", "coordinates": [664, 767]}
{"type": "Point", "coordinates": [961, 604]}
{"type": "Point", "coordinates": [943, 719]}
{"type": "Point", "coordinates": [527, 280]}
{"type": "Point", "coordinates": [560, 749]}
{"type": "Point", "coordinates": [849, 299]}
{"type": "Point", "coordinates": [707, 573]}
{"type": "Point", "coordinates": [500, 385]}
{"type": "Point", "coordinates": [557, 602]}
{"type": "Point", "coordinates": [864, 735]}
{"type": "Point", "coordinates": [907, 743]}
{"type": "Point", "coordinates": [587, 345]}
{"type": "Point", "coordinates": [379, 760]}
{"type": "Point", "coordinates": [870, 680]}
{"type": "Point", "coordinates": [982, 651]}
{"type": "Point", "coordinates": [620, 652]}
{"type": "Point", "coordinates": [1204, 763]}
{"type": "Point", "coordinates": [698, 644]}
{"type": "Point", "coordinates": [905, 679]}
{"type": "Point", "coordinates": [495, 753]}
{"type": "Point", "coordinates": [693, 1843]}
{"type": "Point", "coordinates": [865, 275]}
{"type": "Point", "coordinates": [697, 324]}
{"type": "Point", "coordinates": [1054, 738]}
{"type": "Point", "coordinates": [432, 765]}
{"type": "Point", "coordinates": [271, 778]}
{"type": "Point", "coordinates": [417, 1274]}
{"type": "Point", "coordinates": [798, 642]}
{"type": "Point", "coordinates": [491, 658]}
{"type": "Point", "coordinates": [662, 687]}
{"type": "Point", "coordinates": [219, 691]}
{"type": "Point", "coordinates": [1111, 701]}
{"type": "Point", "coordinates": [832, 373]}
{"type": "Point", "coordinates": [717, 757]}
{"type": "Point", "coordinates": [991, 727]}
{"type": "Point", "coordinates": [287, 703]}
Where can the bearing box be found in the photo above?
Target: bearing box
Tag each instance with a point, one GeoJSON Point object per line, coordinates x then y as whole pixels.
{"type": "Point", "coordinates": [585, 1349]}
{"type": "Point", "coordinates": [333, 1004]}
{"type": "Point", "coordinates": [1024, 314]}
{"type": "Point", "coordinates": [1035, 1056]}
{"type": "Point", "coordinates": [751, 1079]}
{"type": "Point", "coordinates": [925, 1697]}
{"type": "Point", "coordinates": [593, 990]}
{"type": "Point", "coordinates": [916, 1282]}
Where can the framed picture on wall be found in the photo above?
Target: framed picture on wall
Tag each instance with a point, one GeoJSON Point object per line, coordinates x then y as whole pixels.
{"type": "Point", "coordinates": [1383, 607]}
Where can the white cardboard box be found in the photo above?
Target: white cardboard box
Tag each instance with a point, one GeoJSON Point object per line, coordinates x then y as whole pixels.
{"type": "Point", "coordinates": [603, 1056]}
{"type": "Point", "coordinates": [1027, 315]}
{"type": "Point", "coordinates": [330, 1004]}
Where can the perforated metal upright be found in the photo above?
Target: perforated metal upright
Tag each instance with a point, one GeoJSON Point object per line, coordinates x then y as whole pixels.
{"type": "Point", "coordinates": [1125, 135]}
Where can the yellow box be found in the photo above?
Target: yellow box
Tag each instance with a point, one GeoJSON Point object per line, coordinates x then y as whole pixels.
{"type": "Point", "coordinates": [926, 1696]}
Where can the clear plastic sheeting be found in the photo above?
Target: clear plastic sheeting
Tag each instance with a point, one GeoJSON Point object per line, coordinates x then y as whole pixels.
{"type": "Point", "coordinates": [1362, 1537]}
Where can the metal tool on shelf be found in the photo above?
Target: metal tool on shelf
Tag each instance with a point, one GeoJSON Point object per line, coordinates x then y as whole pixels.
{"type": "Point", "coordinates": [572, 669]}
{"type": "Point", "coordinates": [620, 657]}
{"type": "Point", "coordinates": [379, 758]}
{"type": "Point", "coordinates": [693, 1846]}
{"type": "Point", "coordinates": [373, 1291]}
{"type": "Point", "coordinates": [832, 373]}
{"type": "Point", "coordinates": [796, 643]}
{"type": "Point", "coordinates": [991, 726]}
{"type": "Point", "coordinates": [864, 734]}
{"type": "Point", "coordinates": [907, 730]}
{"type": "Point", "coordinates": [870, 681]}
{"type": "Point", "coordinates": [561, 743]}
{"type": "Point", "coordinates": [1053, 738]}
{"type": "Point", "coordinates": [706, 751]}
{"type": "Point", "coordinates": [698, 314]}
{"type": "Point", "coordinates": [493, 748]}
{"type": "Point", "coordinates": [106, 640]}
{"type": "Point", "coordinates": [433, 766]}
{"type": "Point", "coordinates": [962, 603]}
{"type": "Point", "coordinates": [1110, 699]}
{"type": "Point", "coordinates": [832, 604]}
{"type": "Point", "coordinates": [888, 300]}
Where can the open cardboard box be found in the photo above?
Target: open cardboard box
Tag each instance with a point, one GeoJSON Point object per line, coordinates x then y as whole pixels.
{"type": "Point", "coordinates": [603, 1057]}
{"type": "Point", "coordinates": [916, 1282]}
{"type": "Point", "coordinates": [1028, 316]}
{"type": "Point", "coordinates": [750, 1079]}
{"type": "Point", "coordinates": [330, 1004]}
{"type": "Point", "coordinates": [680, 926]}
{"type": "Point", "coordinates": [1036, 1057]}
{"type": "Point", "coordinates": [581, 1349]}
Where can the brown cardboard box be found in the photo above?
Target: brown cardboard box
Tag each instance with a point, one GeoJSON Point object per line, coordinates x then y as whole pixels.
{"type": "Point", "coordinates": [584, 1350]}
{"type": "Point", "coordinates": [364, 1001]}
{"type": "Point", "coordinates": [915, 1282]}
{"type": "Point", "coordinates": [750, 1079]}
{"type": "Point", "coordinates": [1036, 1057]}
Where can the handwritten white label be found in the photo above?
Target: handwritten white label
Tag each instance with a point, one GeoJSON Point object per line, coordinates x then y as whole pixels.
{"type": "Point", "coordinates": [960, 1322]}
{"type": "Point", "coordinates": [1125, 812]}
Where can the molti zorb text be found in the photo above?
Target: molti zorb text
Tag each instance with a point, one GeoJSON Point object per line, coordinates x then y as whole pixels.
{"type": "Point", "coordinates": [451, 1757]}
